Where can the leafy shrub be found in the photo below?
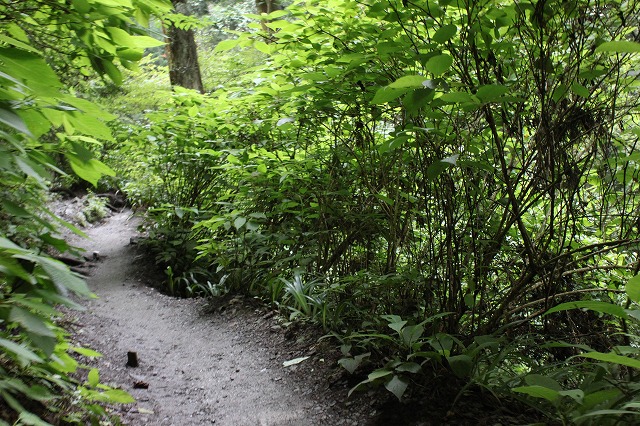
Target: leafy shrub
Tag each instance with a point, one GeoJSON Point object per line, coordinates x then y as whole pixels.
{"type": "Point", "coordinates": [448, 173]}
{"type": "Point", "coordinates": [43, 125]}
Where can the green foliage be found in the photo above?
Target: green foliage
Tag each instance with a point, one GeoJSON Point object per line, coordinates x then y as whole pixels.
{"type": "Point", "coordinates": [42, 123]}
{"type": "Point", "coordinates": [401, 160]}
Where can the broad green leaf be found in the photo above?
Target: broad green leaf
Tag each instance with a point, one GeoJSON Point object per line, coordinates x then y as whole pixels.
{"type": "Point", "coordinates": [409, 367]}
{"type": "Point", "coordinates": [613, 358]}
{"type": "Point", "coordinates": [35, 304]}
{"type": "Point", "coordinates": [541, 380]}
{"type": "Point", "coordinates": [598, 413]}
{"type": "Point", "coordinates": [397, 386]}
{"type": "Point", "coordinates": [119, 4]}
{"type": "Point", "coordinates": [378, 374]}
{"type": "Point", "coordinates": [491, 92]}
{"type": "Point", "coordinates": [580, 90]}
{"type": "Point", "coordinates": [112, 71]}
{"type": "Point", "coordinates": [461, 365]}
{"type": "Point", "coordinates": [93, 378]}
{"type": "Point", "coordinates": [597, 398]}
{"type": "Point", "coordinates": [28, 418]}
{"type": "Point", "coordinates": [46, 344]}
{"type": "Point", "coordinates": [226, 45]}
{"type": "Point", "coordinates": [418, 98]}
{"type": "Point", "coordinates": [30, 68]}
{"type": "Point", "coordinates": [393, 144]}
{"type": "Point", "coordinates": [538, 392]}
{"type": "Point", "coordinates": [32, 170]}
{"type": "Point", "coordinates": [619, 46]}
{"type": "Point", "coordinates": [31, 322]}
{"type": "Point", "coordinates": [39, 393]}
{"type": "Point", "coordinates": [116, 396]}
{"type": "Point", "coordinates": [576, 394]}
{"type": "Point", "coordinates": [411, 334]}
{"type": "Point", "coordinates": [63, 277]}
{"type": "Point", "coordinates": [387, 94]}
{"type": "Point", "coordinates": [54, 297]}
{"type": "Point", "coordinates": [130, 54]}
{"type": "Point", "coordinates": [23, 353]}
{"type": "Point", "coordinates": [14, 121]}
{"type": "Point", "coordinates": [15, 210]}
{"type": "Point", "coordinates": [633, 288]}
{"type": "Point", "coordinates": [408, 81]}
{"type": "Point", "coordinates": [436, 169]}
{"type": "Point", "coordinates": [91, 170]}
{"type": "Point", "coordinates": [86, 352]}
{"type": "Point", "coordinates": [239, 222]}
{"type": "Point", "coordinates": [124, 39]}
{"type": "Point", "coordinates": [10, 245]}
{"type": "Point", "coordinates": [592, 305]}
{"type": "Point", "coordinates": [82, 6]}
{"type": "Point", "coordinates": [445, 33]}
{"type": "Point", "coordinates": [263, 47]}
{"type": "Point", "coordinates": [439, 64]}
{"type": "Point", "coordinates": [397, 326]}
{"type": "Point", "coordinates": [17, 43]}
{"type": "Point", "coordinates": [350, 364]}
{"type": "Point", "coordinates": [456, 97]}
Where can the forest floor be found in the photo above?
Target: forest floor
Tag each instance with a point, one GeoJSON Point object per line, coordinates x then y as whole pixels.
{"type": "Point", "coordinates": [220, 362]}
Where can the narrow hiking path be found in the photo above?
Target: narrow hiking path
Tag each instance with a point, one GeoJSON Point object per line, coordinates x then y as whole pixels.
{"type": "Point", "coordinates": [202, 365]}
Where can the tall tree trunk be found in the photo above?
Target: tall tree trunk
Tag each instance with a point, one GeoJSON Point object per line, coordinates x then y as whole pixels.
{"type": "Point", "coordinates": [182, 54]}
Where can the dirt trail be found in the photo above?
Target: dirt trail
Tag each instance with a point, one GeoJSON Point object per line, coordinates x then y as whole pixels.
{"type": "Point", "coordinates": [201, 367]}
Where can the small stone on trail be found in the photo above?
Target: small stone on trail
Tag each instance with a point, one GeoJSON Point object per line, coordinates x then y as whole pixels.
{"type": "Point", "coordinates": [140, 385]}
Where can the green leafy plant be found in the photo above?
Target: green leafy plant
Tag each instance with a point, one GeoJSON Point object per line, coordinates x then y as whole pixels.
{"type": "Point", "coordinates": [43, 125]}
{"type": "Point", "coordinates": [472, 158]}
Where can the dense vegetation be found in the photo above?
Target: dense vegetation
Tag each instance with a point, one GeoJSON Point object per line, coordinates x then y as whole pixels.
{"type": "Point", "coordinates": [448, 187]}
{"type": "Point", "coordinates": [46, 129]}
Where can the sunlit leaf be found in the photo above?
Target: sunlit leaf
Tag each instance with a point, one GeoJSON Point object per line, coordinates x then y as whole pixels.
{"type": "Point", "coordinates": [633, 288]}
{"type": "Point", "coordinates": [445, 33]}
{"type": "Point", "coordinates": [592, 305]}
{"type": "Point", "coordinates": [538, 392]}
{"type": "Point", "coordinates": [31, 322]}
{"type": "Point", "coordinates": [227, 44]}
{"type": "Point", "coordinates": [491, 92]}
{"type": "Point", "coordinates": [86, 352]}
{"type": "Point", "coordinates": [542, 380]}
{"type": "Point", "coordinates": [439, 64]}
{"type": "Point", "coordinates": [619, 46]}
{"type": "Point", "coordinates": [93, 378]}
{"type": "Point", "coordinates": [613, 358]}
{"type": "Point", "coordinates": [387, 94]}
{"type": "Point", "coordinates": [408, 81]}
{"type": "Point", "coordinates": [580, 90]}
{"type": "Point", "coordinates": [21, 351]}
{"type": "Point", "coordinates": [239, 222]}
